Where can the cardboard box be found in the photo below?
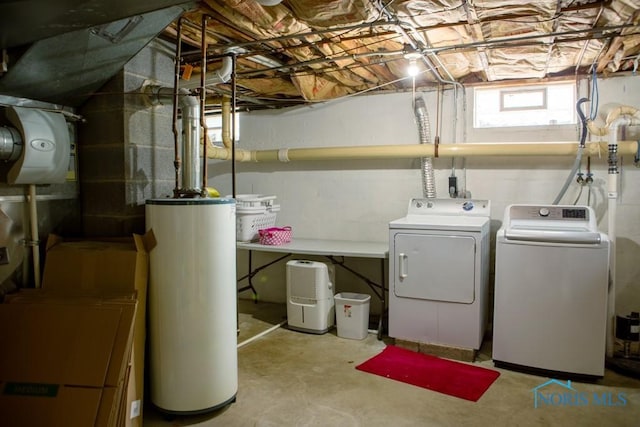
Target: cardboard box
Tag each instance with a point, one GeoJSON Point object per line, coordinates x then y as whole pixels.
{"type": "Point", "coordinates": [107, 266]}
{"type": "Point", "coordinates": [62, 363]}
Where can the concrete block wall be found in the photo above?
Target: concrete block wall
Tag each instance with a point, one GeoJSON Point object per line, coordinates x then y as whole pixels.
{"type": "Point", "coordinates": [357, 199]}
{"type": "Point", "coordinates": [126, 146]}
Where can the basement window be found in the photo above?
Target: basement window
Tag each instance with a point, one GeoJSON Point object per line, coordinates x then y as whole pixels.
{"type": "Point", "coordinates": [540, 105]}
{"type": "Point", "coordinates": [214, 129]}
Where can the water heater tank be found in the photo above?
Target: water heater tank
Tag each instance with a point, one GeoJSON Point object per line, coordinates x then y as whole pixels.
{"type": "Point", "coordinates": [44, 146]}
{"type": "Point", "coordinates": [192, 304]}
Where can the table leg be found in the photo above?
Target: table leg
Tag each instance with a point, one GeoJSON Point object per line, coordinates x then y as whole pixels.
{"type": "Point", "coordinates": [383, 305]}
{"type": "Point", "coordinates": [253, 271]}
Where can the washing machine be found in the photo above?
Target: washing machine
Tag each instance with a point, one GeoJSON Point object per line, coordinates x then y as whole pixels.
{"type": "Point", "coordinates": [551, 280]}
{"type": "Point", "coordinates": [439, 272]}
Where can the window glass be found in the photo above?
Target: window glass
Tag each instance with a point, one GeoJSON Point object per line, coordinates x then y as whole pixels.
{"type": "Point", "coordinates": [540, 105]}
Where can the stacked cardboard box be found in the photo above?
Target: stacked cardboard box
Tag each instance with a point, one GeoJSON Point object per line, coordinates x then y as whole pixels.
{"type": "Point", "coordinates": [94, 275]}
{"type": "Point", "coordinates": [64, 358]}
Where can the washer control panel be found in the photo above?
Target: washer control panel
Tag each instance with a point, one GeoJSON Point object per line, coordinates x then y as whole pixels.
{"type": "Point", "coordinates": [551, 213]}
{"type": "Point", "coordinates": [551, 223]}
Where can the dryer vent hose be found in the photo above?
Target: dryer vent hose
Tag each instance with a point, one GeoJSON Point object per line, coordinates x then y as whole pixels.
{"type": "Point", "coordinates": [424, 128]}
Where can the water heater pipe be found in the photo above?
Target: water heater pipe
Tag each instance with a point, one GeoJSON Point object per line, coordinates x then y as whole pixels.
{"type": "Point", "coordinates": [410, 151]}
{"type": "Point", "coordinates": [190, 107]}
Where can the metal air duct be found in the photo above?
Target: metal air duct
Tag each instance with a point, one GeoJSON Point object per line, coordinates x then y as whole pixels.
{"type": "Point", "coordinates": [424, 127]}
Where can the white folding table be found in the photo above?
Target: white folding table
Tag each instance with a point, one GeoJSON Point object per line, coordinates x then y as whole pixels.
{"type": "Point", "coordinates": [335, 251]}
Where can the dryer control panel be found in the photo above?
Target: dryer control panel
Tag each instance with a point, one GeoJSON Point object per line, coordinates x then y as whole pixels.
{"type": "Point", "coordinates": [472, 207]}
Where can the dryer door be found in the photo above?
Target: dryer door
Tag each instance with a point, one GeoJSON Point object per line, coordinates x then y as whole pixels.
{"type": "Point", "coordinates": [435, 267]}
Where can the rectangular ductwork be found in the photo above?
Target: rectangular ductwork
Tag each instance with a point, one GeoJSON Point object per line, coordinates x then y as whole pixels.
{"type": "Point", "coordinates": [67, 68]}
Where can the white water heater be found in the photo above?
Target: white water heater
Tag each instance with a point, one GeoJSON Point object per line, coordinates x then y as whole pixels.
{"type": "Point", "coordinates": [192, 304]}
{"type": "Point", "coordinates": [310, 304]}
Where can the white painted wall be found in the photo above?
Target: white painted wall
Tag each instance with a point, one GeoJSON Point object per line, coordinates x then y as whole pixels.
{"type": "Point", "coordinates": [357, 199]}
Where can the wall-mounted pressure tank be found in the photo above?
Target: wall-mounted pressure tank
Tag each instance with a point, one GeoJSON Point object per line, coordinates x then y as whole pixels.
{"type": "Point", "coordinates": [38, 141]}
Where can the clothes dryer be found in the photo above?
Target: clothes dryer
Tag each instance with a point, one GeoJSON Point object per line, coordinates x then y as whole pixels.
{"type": "Point", "coordinates": [439, 272]}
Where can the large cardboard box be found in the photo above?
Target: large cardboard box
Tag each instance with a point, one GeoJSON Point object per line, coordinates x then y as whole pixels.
{"type": "Point", "coordinates": [62, 360]}
{"type": "Point", "coordinates": [107, 265]}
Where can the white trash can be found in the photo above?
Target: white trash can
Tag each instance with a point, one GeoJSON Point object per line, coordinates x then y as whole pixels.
{"type": "Point", "coordinates": [352, 315]}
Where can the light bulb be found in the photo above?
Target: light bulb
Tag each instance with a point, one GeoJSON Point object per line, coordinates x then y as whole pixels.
{"type": "Point", "coordinates": [413, 69]}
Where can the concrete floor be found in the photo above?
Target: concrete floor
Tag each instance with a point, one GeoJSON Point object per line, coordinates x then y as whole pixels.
{"type": "Point", "coordinates": [288, 378]}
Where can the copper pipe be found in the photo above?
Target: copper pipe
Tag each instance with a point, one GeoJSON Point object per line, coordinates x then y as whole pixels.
{"type": "Point", "coordinates": [203, 98]}
{"type": "Point", "coordinates": [176, 132]}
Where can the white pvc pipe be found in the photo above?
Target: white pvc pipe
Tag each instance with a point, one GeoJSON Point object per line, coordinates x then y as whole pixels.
{"type": "Point", "coordinates": [612, 196]}
{"type": "Point", "coordinates": [35, 246]}
{"type": "Point", "coordinates": [371, 152]}
{"type": "Point", "coordinates": [261, 334]}
{"type": "Point", "coordinates": [611, 303]}
{"type": "Point", "coordinates": [615, 113]}
{"type": "Point", "coordinates": [214, 77]}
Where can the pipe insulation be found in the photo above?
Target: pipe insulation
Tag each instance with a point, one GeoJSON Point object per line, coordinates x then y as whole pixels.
{"type": "Point", "coordinates": [424, 129]}
{"type": "Point", "coordinates": [410, 151]}
{"type": "Point", "coordinates": [226, 121]}
{"type": "Point", "coordinates": [614, 112]}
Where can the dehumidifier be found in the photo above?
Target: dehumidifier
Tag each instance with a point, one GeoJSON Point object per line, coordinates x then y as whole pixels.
{"type": "Point", "coordinates": [310, 305]}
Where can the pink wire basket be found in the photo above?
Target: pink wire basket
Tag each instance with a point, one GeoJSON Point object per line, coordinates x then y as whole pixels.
{"type": "Point", "coordinates": [275, 236]}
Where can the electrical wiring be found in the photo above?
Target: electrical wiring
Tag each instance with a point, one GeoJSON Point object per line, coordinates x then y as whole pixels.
{"type": "Point", "coordinates": [594, 95]}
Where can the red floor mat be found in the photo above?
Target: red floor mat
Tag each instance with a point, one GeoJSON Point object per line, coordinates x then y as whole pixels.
{"type": "Point", "coordinates": [444, 376]}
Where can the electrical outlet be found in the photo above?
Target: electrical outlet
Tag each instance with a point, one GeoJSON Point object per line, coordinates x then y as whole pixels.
{"type": "Point", "coordinates": [4, 255]}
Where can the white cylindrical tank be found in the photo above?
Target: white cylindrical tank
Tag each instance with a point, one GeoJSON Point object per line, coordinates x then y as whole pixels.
{"type": "Point", "coordinates": [192, 304]}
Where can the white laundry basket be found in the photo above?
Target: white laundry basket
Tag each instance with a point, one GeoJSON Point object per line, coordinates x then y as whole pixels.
{"type": "Point", "coordinates": [352, 315]}
{"type": "Point", "coordinates": [253, 213]}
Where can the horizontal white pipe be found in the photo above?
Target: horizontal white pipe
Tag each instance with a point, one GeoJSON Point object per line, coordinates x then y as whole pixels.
{"type": "Point", "coordinates": [261, 334]}
{"type": "Point", "coordinates": [371, 152]}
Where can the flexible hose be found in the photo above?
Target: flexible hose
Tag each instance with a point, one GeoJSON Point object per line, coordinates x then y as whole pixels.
{"type": "Point", "coordinates": [578, 159]}
{"type": "Point", "coordinates": [424, 128]}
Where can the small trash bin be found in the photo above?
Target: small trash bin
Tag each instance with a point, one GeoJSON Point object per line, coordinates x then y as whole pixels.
{"type": "Point", "coordinates": [352, 315]}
